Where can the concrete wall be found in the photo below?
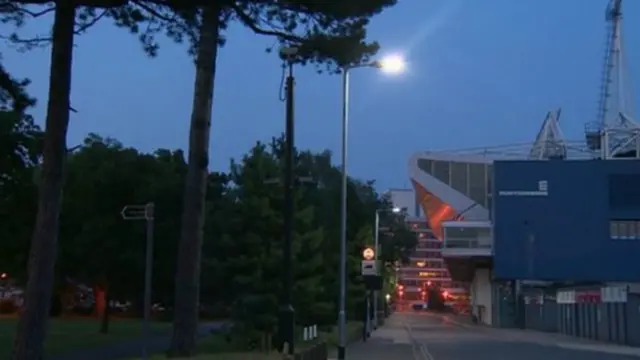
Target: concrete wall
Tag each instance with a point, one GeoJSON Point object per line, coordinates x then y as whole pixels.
{"type": "Point", "coordinates": [481, 296]}
{"type": "Point", "coordinates": [553, 220]}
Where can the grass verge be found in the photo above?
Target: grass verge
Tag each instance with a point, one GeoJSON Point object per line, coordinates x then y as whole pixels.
{"type": "Point", "coordinates": [72, 334]}
{"type": "Point", "coordinates": [215, 347]}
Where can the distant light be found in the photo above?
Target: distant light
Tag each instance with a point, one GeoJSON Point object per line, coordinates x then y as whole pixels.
{"type": "Point", "coordinates": [396, 210]}
{"type": "Point", "coordinates": [388, 297]}
{"type": "Point", "coordinates": [4, 276]}
{"type": "Point", "coordinates": [393, 64]}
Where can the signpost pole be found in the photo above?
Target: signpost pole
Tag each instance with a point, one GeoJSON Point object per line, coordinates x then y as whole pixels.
{"type": "Point", "coordinates": [376, 246]}
{"type": "Point", "coordinates": [367, 319]}
{"type": "Point", "coordinates": [144, 212]}
{"type": "Point", "coordinates": [148, 276]}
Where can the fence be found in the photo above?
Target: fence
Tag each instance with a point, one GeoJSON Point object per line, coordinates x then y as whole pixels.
{"type": "Point", "coordinates": [610, 314]}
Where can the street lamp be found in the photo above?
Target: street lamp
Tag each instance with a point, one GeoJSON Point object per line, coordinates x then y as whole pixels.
{"type": "Point", "coordinates": [376, 245]}
{"type": "Point", "coordinates": [390, 64]}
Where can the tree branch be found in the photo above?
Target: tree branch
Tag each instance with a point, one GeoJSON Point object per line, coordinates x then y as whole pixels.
{"type": "Point", "coordinates": [35, 41]}
{"type": "Point", "coordinates": [19, 9]}
{"type": "Point", "coordinates": [249, 22]}
{"type": "Point", "coordinates": [105, 4]}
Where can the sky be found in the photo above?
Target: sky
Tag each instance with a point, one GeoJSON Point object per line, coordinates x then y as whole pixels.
{"type": "Point", "coordinates": [479, 73]}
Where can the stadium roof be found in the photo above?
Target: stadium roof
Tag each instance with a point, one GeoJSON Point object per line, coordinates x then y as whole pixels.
{"type": "Point", "coordinates": [457, 184]}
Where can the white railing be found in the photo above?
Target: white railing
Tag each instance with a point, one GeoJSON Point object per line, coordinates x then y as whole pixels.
{"type": "Point", "coordinates": [467, 243]}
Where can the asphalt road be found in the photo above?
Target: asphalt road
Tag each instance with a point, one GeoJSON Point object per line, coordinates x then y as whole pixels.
{"type": "Point", "coordinates": [438, 339]}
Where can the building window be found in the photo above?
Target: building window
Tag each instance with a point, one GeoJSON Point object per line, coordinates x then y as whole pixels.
{"type": "Point", "coordinates": [625, 229]}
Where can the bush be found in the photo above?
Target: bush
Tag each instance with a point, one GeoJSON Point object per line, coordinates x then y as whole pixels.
{"type": "Point", "coordinates": [56, 306]}
{"type": "Point", "coordinates": [8, 306]}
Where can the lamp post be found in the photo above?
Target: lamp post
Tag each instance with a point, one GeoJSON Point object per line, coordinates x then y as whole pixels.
{"type": "Point", "coordinates": [392, 64]}
{"type": "Point", "coordinates": [376, 246]}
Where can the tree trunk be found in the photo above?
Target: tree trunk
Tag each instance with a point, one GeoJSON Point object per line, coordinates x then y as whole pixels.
{"type": "Point", "coordinates": [100, 298]}
{"type": "Point", "coordinates": [106, 311]}
{"type": "Point", "coordinates": [29, 341]}
{"type": "Point", "coordinates": [187, 286]}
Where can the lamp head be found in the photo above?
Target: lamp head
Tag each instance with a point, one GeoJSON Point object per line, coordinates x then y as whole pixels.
{"type": "Point", "coordinates": [392, 64]}
{"type": "Point", "coordinates": [288, 52]}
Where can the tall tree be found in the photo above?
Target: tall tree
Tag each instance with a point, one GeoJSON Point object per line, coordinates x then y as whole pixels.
{"type": "Point", "coordinates": [19, 154]}
{"type": "Point", "coordinates": [324, 32]}
{"type": "Point", "coordinates": [71, 17]}
{"type": "Point", "coordinates": [253, 252]}
{"type": "Point", "coordinates": [20, 150]}
{"type": "Point", "coordinates": [102, 177]}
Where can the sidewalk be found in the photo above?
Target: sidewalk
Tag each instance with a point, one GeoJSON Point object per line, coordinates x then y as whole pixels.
{"type": "Point", "coordinates": [392, 341]}
{"type": "Point", "coordinates": [376, 350]}
{"type": "Point", "coordinates": [543, 338]}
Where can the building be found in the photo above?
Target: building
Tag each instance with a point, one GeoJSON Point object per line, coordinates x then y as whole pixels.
{"type": "Point", "coordinates": [426, 266]}
{"type": "Point", "coordinates": [455, 192]}
{"type": "Point", "coordinates": [538, 225]}
{"type": "Point", "coordinates": [553, 214]}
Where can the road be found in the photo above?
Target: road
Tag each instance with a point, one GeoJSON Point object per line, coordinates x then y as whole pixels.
{"type": "Point", "coordinates": [418, 336]}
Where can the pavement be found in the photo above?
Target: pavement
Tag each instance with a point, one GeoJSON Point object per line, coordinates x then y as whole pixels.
{"type": "Point", "coordinates": [426, 336]}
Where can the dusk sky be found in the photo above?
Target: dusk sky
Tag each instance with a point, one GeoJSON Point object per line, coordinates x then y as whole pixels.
{"type": "Point", "coordinates": [480, 72]}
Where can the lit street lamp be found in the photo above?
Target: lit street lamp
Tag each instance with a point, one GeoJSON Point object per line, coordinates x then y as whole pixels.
{"type": "Point", "coordinates": [391, 65]}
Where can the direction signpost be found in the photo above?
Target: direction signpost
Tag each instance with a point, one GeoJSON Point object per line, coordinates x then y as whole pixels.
{"type": "Point", "coordinates": [144, 212]}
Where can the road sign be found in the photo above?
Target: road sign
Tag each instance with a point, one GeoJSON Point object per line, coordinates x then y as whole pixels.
{"type": "Point", "coordinates": [137, 212]}
{"type": "Point", "coordinates": [368, 254]}
{"type": "Point", "coordinates": [369, 268]}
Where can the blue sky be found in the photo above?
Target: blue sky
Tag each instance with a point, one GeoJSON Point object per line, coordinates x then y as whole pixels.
{"type": "Point", "coordinates": [481, 72]}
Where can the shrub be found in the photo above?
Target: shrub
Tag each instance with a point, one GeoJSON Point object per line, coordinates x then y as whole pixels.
{"type": "Point", "coordinates": [8, 306]}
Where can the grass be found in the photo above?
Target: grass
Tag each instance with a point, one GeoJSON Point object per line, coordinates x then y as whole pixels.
{"type": "Point", "coordinates": [68, 335]}
{"type": "Point", "coordinates": [215, 347]}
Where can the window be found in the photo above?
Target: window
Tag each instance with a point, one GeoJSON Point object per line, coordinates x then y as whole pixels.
{"type": "Point", "coordinates": [428, 274]}
{"type": "Point", "coordinates": [434, 274]}
{"type": "Point", "coordinates": [624, 229]}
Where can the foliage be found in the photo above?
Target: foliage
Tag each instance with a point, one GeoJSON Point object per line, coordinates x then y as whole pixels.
{"type": "Point", "coordinates": [20, 144]}
{"type": "Point", "coordinates": [323, 33]}
{"type": "Point", "coordinates": [243, 242]}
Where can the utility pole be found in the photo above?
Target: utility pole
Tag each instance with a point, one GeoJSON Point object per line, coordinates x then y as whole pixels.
{"type": "Point", "coordinates": [287, 312]}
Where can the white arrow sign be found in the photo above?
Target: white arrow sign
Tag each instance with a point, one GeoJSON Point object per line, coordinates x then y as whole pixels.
{"type": "Point", "coordinates": [137, 212]}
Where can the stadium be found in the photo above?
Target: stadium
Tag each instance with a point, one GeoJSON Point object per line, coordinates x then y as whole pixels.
{"type": "Point", "coordinates": [544, 233]}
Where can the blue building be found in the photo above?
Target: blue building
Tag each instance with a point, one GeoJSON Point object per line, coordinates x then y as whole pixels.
{"type": "Point", "coordinates": [567, 220]}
